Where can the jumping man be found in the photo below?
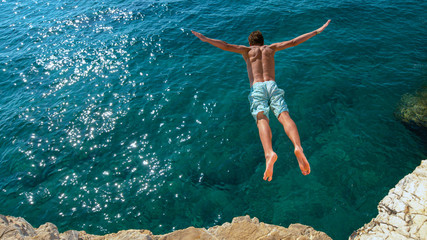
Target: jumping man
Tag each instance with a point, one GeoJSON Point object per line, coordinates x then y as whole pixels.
{"type": "Point", "coordinates": [265, 94]}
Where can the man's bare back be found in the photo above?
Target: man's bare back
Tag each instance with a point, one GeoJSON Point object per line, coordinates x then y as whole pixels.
{"type": "Point", "coordinates": [259, 60]}
{"type": "Point", "coordinates": [260, 63]}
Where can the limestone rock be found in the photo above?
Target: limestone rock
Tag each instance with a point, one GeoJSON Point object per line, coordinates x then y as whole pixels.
{"type": "Point", "coordinates": [247, 228]}
{"type": "Point", "coordinates": [186, 234]}
{"type": "Point", "coordinates": [402, 214]}
{"type": "Point", "coordinates": [240, 228]}
{"type": "Point", "coordinates": [79, 235]}
{"type": "Point", "coordinates": [69, 235]}
{"type": "Point", "coordinates": [128, 234]}
{"type": "Point", "coordinates": [46, 231]}
{"type": "Point", "coordinates": [15, 228]}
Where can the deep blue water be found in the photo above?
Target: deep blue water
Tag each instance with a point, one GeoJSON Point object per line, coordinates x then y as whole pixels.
{"type": "Point", "coordinates": [114, 116]}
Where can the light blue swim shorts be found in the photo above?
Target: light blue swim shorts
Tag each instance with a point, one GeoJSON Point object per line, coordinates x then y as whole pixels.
{"type": "Point", "coordinates": [265, 96]}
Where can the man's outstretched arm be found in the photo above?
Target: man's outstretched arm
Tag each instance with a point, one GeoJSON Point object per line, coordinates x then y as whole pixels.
{"type": "Point", "coordinates": [221, 44]}
{"type": "Point", "coordinates": [292, 43]}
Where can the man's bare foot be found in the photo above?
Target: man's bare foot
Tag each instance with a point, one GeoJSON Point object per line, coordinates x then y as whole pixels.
{"type": "Point", "coordinates": [269, 164]}
{"type": "Point", "coordinates": [302, 161]}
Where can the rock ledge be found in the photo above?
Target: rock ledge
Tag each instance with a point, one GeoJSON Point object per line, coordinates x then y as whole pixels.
{"type": "Point", "coordinates": [402, 214]}
{"type": "Point", "coordinates": [239, 228]}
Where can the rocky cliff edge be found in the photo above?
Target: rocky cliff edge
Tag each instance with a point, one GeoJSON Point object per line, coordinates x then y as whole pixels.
{"type": "Point", "coordinates": [240, 228]}
{"type": "Point", "coordinates": [402, 214]}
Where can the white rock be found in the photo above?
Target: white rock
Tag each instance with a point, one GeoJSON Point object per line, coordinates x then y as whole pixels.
{"type": "Point", "coordinates": [402, 214]}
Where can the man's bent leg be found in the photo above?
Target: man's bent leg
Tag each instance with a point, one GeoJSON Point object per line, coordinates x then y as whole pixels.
{"type": "Point", "coordinates": [265, 135]}
{"type": "Point", "coordinates": [292, 132]}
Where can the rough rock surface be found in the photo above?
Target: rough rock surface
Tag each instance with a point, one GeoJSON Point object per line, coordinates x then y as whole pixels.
{"type": "Point", "coordinates": [239, 228]}
{"type": "Point", "coordinates": [402, 214]}
{"type": "Point", "coordinates": [247, 228]}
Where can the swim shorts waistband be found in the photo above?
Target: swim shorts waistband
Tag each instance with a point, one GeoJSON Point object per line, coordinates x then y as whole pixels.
{"type": "Point", "coordinates": [257, 83]}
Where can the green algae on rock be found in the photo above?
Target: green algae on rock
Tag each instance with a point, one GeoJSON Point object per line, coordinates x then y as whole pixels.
{"type": "Point", "coordinates": [413, 108]}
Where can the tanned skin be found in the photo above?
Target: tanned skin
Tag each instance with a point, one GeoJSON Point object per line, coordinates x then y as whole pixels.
{"type": "Point", "coordinates": [260, 66]}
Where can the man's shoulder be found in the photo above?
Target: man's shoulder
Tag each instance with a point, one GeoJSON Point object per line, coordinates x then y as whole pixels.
{"type": "Point", "coordinates": [267, 48]}
{"type": "Point", "coordinates": [242, 49]}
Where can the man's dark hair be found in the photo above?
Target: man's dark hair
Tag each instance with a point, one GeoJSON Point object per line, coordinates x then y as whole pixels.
{"type": "Point", "coordinates": [256, 38]}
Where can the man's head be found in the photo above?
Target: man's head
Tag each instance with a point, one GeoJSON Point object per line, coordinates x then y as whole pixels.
{"type": "Point", "coordinates": [256, 38]}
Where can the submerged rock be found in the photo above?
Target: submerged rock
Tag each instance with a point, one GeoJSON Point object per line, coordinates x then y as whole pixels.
{"type": "Point", "coordinates": [402, 214]}
{"type": "Point", "coordinates": [413, 109]}
{"type": "Point", "coordinates": [240, 228]}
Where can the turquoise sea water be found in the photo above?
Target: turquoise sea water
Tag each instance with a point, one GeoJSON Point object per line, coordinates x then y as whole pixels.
{"type": "Point", "coordinates": [114, 116]}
